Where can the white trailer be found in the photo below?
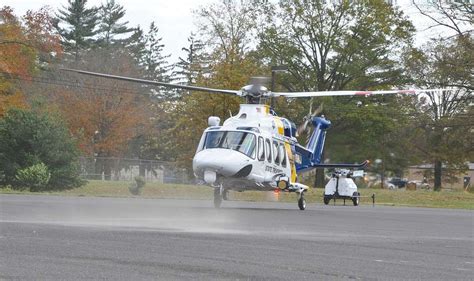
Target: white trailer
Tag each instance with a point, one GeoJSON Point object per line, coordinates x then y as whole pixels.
{"type": "Point", "coordinates": [341, 186]}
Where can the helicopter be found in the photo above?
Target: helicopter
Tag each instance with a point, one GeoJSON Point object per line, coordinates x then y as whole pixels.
{"type": "Point", "coordinates": [256, 149]}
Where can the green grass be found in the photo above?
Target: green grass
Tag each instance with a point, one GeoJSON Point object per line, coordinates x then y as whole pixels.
{"type": "Point", "coordinates": [456, 199]}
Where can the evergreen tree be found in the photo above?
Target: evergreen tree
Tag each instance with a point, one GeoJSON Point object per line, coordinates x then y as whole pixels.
{"type": "Point", "coordinates": [194, 64]}
{"type": "Point", "coordinates": [154, 63]}
{"type": "Point", "coordinates": [80, 27]}
{"type": "Point", "coordinates": [153, 60]}
{"type": "Point", "coordinates": [135, 44]}
{"type": "Point", "coordinates": [111, 31]}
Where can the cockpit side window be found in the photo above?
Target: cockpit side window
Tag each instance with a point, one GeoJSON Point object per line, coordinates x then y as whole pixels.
{"type": "Point", "coordinates": [261, 149]}
{"type": "Point", "coordinates": [214, 139]}
{"type": "Point", "coordinates": [268, 150]}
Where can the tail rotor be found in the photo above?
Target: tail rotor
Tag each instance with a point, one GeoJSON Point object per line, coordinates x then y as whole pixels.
{"type": "Point", "coordinates": [306, 121]}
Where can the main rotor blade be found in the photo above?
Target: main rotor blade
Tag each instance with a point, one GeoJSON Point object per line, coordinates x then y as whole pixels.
{"type": "Point", "coordinates": [150, 82]}
{"type": "Point", "coordinates": [347, 93]}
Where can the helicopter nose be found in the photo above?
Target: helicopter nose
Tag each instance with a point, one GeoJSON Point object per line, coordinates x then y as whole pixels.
{"type": "Point", "coordinates": [224, 162]}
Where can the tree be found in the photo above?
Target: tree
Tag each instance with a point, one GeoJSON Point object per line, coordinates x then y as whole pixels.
{"type": "Point", "coordinates": [451, 16]}
{"type": "Point", "coordinates": [226, 27]}
{"type": "Point", "coordinates": [81, 26]}
{"type": "Point", "coordinates": [28, 138]}
{"type": "Point", "coordinates": [154, 62]}
{"type": "Point", "coordinates": [195, 64]}
{"type": "Point", "coordinates": [108, 114]}
{"type": "Point", "coordinates": [337, 45]}
{"type": "Point", "coordinates": [111, 31]}
{"type": "Point", "coordinates": [445, 62]}
{"type": "Point", "coordinates": [135, 44]}
{"type": "Point", "coordinates": [25, 44]}
{"type": "Point", "coordinates": [447, 112]}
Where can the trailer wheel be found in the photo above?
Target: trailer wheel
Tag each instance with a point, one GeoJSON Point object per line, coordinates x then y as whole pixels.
{"type": "Point", "coordinates": [326, 199]}
{"type": "Point", "coordinates": [356, 198]}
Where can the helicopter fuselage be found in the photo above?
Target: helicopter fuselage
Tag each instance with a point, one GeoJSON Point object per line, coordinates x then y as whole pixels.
{"type": "Point", "coordinates": [253, 150]}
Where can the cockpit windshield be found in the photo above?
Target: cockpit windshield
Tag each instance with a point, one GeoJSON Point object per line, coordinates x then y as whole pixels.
{"type": "Point", "coordinates": [243, 142]}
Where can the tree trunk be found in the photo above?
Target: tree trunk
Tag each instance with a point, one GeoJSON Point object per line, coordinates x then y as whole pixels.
{"type": "Point", "coordinates": [319, 181]}
{"type": "Point", "coordinates": [142, 168]}
{"type": "Point", "coordinates": [99, 168]}
{"type": "Point", "coordinates": [437, 175]}
{"type": "Point", "coordinates": [107, 169]}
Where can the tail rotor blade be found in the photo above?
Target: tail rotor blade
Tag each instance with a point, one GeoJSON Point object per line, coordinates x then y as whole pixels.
{"type": "Point", "coordinates": [302, 127]}
{"type": "Point", "coordinates": [318, 110]}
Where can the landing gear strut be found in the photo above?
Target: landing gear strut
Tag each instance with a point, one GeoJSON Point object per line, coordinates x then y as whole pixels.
{"type": "Point", "coordinates": [218, 191]}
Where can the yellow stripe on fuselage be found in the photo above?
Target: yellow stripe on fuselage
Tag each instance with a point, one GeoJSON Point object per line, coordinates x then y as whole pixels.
{"type": "Point", "coordinates": [267, 109]}
{"type": "Point", "coordinates": [291, 159]}
{"type": "Point", "coordinates": [279, 125]}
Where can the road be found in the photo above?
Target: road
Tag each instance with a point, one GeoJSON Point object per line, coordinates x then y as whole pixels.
{"type": "Point", "coordinates": [76, 238]}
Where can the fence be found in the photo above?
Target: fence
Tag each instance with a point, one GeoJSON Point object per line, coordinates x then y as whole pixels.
{"type": "Point", "coordinates": [112, 168]}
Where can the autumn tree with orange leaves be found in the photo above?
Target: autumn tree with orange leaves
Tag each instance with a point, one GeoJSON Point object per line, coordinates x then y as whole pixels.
{"type": "Point", "coordinates": [103, 114]}
{"type": "Point", "coordinates": [25, 43]}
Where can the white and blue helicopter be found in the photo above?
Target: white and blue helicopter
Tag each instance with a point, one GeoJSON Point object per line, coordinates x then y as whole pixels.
{"type": "Point", "coordinates": [256, 149]}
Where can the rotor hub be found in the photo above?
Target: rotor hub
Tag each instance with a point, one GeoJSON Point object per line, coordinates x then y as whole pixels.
{"type": "Point", "coordinates": [254, 90]}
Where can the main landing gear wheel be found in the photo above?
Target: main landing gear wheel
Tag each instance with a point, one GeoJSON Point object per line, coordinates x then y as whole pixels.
{"type": "Point", "coordinates": [217, 197]}
{"type": "Point", "coordinates": [301, 202]}
{"type": "Point", "coordinates": [356, 198]}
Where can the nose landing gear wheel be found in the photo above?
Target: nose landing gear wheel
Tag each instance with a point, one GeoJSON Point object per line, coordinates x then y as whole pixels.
{"type": "Point", "coordinates": [217, 197]}
{"type": "Point", "coordinates": [301, 203]}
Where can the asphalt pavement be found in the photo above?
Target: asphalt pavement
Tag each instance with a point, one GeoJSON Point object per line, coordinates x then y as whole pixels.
{"type": "Point", "coordinates": [78, 238]}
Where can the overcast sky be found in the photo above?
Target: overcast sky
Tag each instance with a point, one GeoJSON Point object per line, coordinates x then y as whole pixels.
{"type": "Point", "coordinates": [174, 17]}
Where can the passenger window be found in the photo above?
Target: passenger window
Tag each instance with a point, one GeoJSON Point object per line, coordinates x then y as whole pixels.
{"type": "Point", "coordinates": [276, 157]}
{"type": "Point", "coordinates": [268, 150]}
{"type": "Point", "coordinates": [261, 149]}
{"type": "Point", "coordinates": [283, 155]}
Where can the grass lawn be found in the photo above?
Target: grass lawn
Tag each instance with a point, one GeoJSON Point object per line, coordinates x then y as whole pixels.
{"type": "Point", "coordinates": [457, 199]}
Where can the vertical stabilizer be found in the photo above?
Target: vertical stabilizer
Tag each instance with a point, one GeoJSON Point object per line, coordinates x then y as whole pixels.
{"type": "Point", "coordinates": [316, 141]}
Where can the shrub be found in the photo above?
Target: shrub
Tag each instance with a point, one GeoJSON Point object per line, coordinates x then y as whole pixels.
{"type": "Point", "coordinates": [136, 187]}
{"type": "Point", "coordinates": [140, 181]}
{"type": "Point", "coordinates": [35, 177]}
{"type": "Point", "coordinates": [29, 137]}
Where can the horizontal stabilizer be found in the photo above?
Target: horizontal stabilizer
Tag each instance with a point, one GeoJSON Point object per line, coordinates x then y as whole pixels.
{"type": "Point", "coordinates": [335, 166]}
{"type": "Point", "coordinates": [359, 165]}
